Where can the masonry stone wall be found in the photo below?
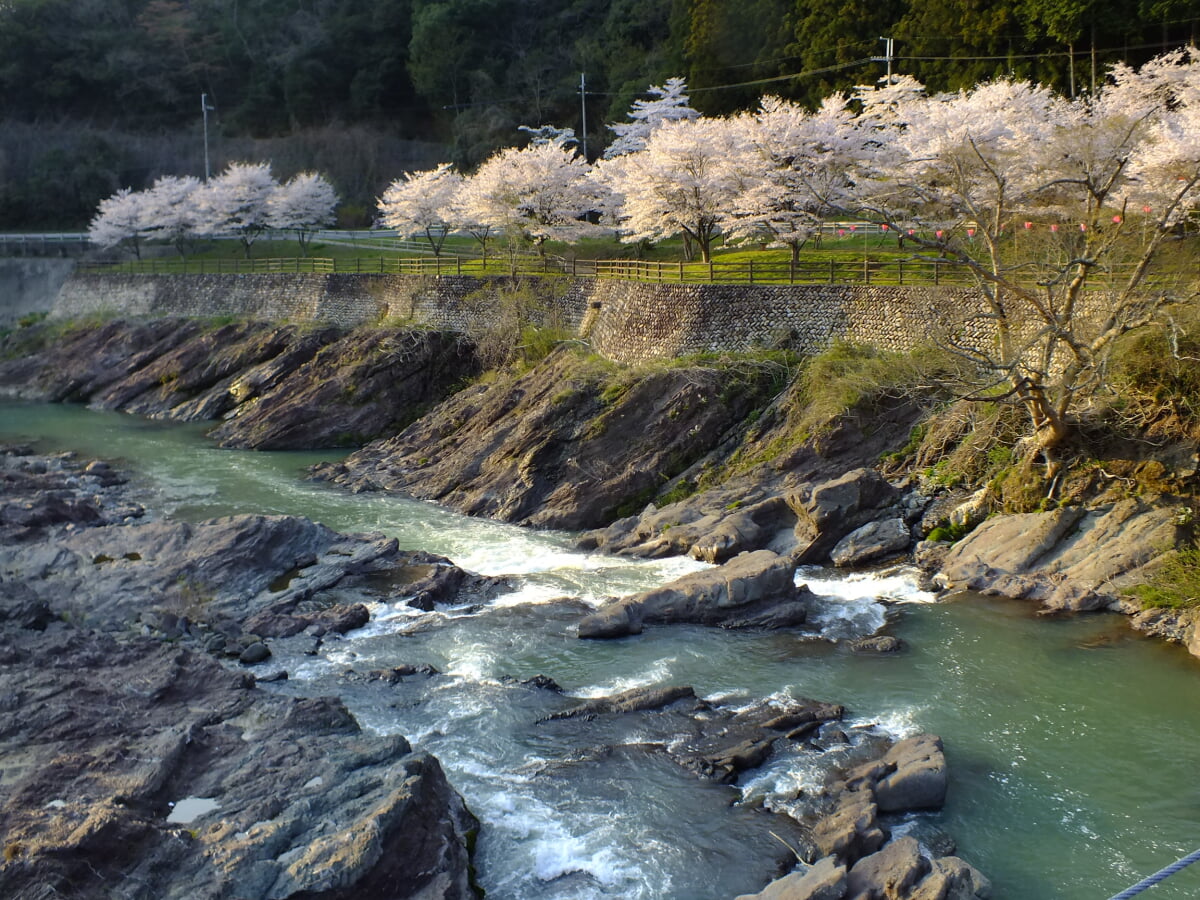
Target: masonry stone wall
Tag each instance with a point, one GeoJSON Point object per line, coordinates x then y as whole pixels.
{"type": "Point", "coordinates": [624, 320]}
{"type": "Point", "coordinates": [29, 285]}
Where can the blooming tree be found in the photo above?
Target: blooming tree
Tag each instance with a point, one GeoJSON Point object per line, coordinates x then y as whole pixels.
{"type": "Point", "coordinates": [235, 202]}
{"type": "Point", "coordinates": [120, 219]}
{"type": "Point", "coordinates": [533, 194]}
{"type": "Point", "coordinates": [304, 204]}
{"type": "Point", "coordinates": [172, 210]}
{"type": "Point", "coordinates": [423, 203]}
{"type": "Point", "coordinates": [795, 169]}
{"type": "Point", "coordinates": [685, 181]}
{"type": "Point", "coordinates": [1030, 192]}
{"type": "Point", "coordinates": [550, 134]}
{"type": "Point", "coordinates": [667, 103]}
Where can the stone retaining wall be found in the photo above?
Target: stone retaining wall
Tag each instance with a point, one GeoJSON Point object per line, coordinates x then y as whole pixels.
{"type": "Point", "coordinates": [624, 320]}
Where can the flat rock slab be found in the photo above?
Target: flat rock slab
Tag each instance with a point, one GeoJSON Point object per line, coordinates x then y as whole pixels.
{"type": "Point", "coordinates": [1067, 559]}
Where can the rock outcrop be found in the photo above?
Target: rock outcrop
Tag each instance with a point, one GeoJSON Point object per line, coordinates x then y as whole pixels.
{"type": "Point", "coordinates": [851, 855]}
{"type": "Point", "coordinates": [133, 757]}
{"type": "Point", "coordinates": [272, 386]}
{"type": "Point", "coordinates": [754, 590]}
{"type": "Point", "coordinates": [137, 767]}
{"type": "Point", "coordinates": [1071, 558]}
{"type": "Point", "coordinates": [565, 445]}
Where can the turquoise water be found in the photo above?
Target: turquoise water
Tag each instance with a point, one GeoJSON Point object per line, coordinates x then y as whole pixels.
{"type": "Point", "coordinates": [1071, 742]}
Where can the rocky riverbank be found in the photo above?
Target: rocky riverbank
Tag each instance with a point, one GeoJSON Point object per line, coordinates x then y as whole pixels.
{"type": "Point", "coordinates": [710, 458]}
{"type": "Point", "coordinates": [140, 756]}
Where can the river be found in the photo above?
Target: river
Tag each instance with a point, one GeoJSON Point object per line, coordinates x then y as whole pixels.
{"type": "Point", "coordinates": [1071, 742]}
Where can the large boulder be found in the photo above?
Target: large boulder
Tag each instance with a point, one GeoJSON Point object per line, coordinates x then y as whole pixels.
{"type": "Point", "coordinates": [752, 590]}
{"type": "Point", "coordinates": [910, 775]}
{"type": "Point", "coordinates": [829, 511]}
{"type": "Point", "coordinates": [873, 541]}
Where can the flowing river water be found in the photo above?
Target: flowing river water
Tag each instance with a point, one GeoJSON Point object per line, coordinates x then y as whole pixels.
{"type": "Point", "coordinates": [1071, 743]}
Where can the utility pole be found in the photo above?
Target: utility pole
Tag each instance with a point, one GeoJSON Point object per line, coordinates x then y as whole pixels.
{"type": "Point", "coordinates": [205, 109]}
{"type": "Point", "coordinates": [583, 104]}
{"type": "Point", "coordinates": [888, 45]}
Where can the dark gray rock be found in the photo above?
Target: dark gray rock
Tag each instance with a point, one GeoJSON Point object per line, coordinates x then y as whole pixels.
{"type": "Point", "coordinates": [255, 653]}
{"type": "Point", "coordinates": [753, 590]}
{"type": "Point", "coordinates": [116, 733]}
{"type": "Point", "coordinates": [872, 542]}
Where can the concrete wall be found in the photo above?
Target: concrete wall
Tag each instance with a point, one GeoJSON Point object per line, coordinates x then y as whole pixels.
{"type": "Point", "coordinates": [30, 285]}
{"type": "Point", "coordinates": [625, 321]}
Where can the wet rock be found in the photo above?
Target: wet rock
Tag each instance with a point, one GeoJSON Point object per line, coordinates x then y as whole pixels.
{"type": "Point", "coordinates": [544, 683]}
{"type": "Point", "coordinates": [830, 510]}
{"type": "Point", "coordinates": [254, 654]}
{"type": "Point", "coordinates": [872, 542]}
{"type": "Point", "coordinates": [633, 700]}
{"type": "Point", "coordinates": [824, 880]}
{"type": "Point", "coordinates": [753, 590]}
{"type": "Point", "coordinates": [878, 643]}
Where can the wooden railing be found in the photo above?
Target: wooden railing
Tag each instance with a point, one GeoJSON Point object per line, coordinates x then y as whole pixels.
{"type": "Point", "coordinates": [886, 271]}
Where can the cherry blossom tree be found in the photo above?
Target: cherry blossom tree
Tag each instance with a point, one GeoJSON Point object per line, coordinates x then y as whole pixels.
{"type": "Point", "coordinates": [667, 103]}
{"type": "Point", "coordinates": [685, 181]}
{"type": "Point", "coordinates": [304, 204]}
{"type": "Point", "coordinates": [1030, 193]}
{"type": "Point", "coordinates": [423, 203]}
{"type": "Point", "coordinates": [120, 219]}
{"type": "Point", "coordinates": [235, 202]}
{"type": "Point", "coordinates": [795, 169]}
{"type": "Point", "coordinates": [533, 194]}
{"type": "Point", "coordinates": [550, 134]}
{"type": "Point", "coordinates": [173, 211]}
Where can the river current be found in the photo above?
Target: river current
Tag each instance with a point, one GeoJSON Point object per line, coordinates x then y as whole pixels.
{"type": "Point", "coordinates": [1071, 742]}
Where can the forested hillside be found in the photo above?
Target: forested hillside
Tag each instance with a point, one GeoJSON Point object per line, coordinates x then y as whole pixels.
{"type": "Point", "coordinates": [100, 94]}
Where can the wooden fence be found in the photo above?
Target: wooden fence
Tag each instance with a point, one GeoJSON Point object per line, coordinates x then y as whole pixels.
{"type": "Point", "coordinates": [886, 271]}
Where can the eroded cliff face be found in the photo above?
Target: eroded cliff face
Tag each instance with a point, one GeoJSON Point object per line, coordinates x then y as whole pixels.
{"type": "Point", "coordinates": [270, 386]}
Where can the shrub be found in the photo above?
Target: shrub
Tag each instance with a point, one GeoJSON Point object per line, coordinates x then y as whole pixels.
{"type": "Point", "coordinates": [1175, 584]}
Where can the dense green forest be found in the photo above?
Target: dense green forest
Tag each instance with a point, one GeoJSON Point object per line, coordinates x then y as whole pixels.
{"type": "Point", "coordinates": [100, 94]}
